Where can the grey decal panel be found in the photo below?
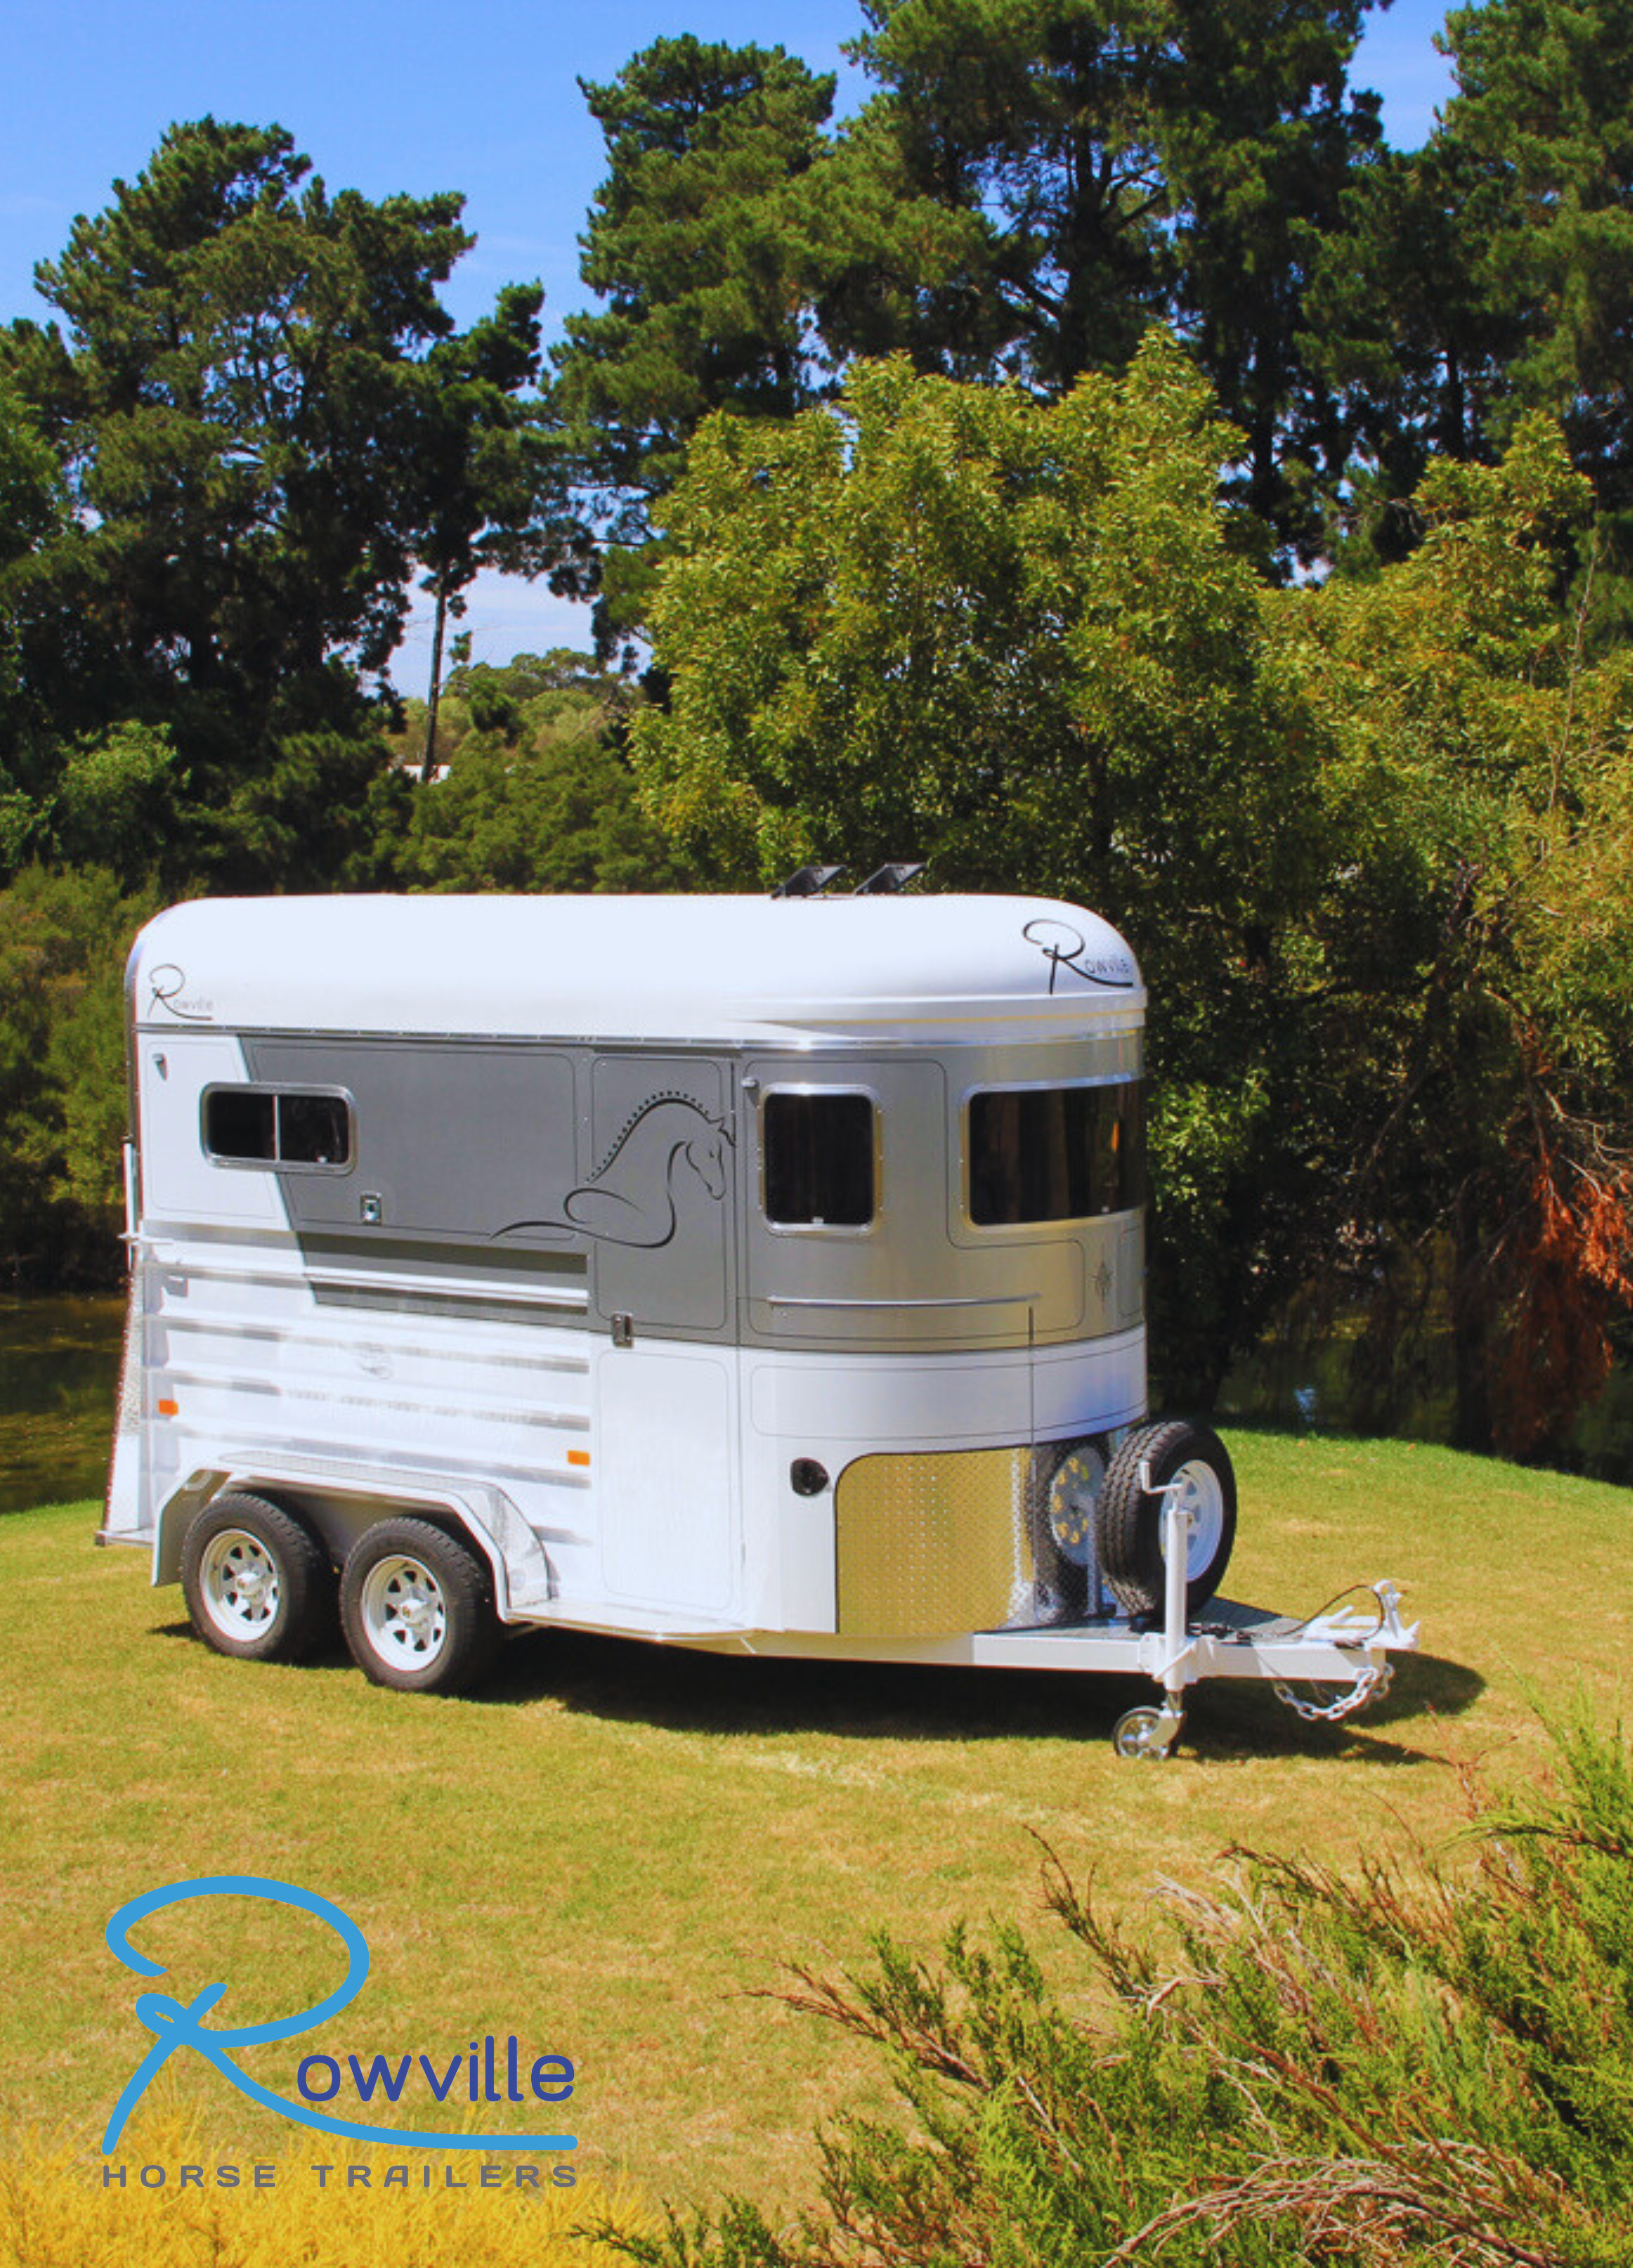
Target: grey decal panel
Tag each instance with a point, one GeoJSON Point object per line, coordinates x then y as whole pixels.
{"type": "Point", "coordinates": [630, 1197]}
{"type": "Point", "coordinates": [618, 1183]}
{"type": "Point", "coordinates": [457, 1142]}
{"type": "Point", "coordinates": [660, 1201]}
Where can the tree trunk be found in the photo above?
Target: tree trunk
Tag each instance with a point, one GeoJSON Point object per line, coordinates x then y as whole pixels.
{"type": "Point", "coordinates": [1470, 1325]}
{"type": "Point", "coordinates": [428, 764]}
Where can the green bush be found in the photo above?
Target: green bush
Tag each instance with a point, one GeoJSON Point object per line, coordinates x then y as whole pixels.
{"type": "Point", "coordinates": [1421, 2062]}
{"type": "Point", "coordinates": [65, 938]}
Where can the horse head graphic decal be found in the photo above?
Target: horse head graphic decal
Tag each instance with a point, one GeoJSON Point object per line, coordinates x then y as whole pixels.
{"type": "Point", "coordinates": [630, 1197]}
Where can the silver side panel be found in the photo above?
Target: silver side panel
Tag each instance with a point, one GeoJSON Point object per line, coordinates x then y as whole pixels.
{"type": "Point", "coordinates": [540, 1299]}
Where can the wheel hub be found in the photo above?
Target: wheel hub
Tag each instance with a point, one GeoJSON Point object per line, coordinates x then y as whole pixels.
{"type": "Point", "coordinates": [239, 1583]}
{"type": "Point", "coordinates": [404, 1613]}
{"type": "Point", "coordinates": [1072, 1495]}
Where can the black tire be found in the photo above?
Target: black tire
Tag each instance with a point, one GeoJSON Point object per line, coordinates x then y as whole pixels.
{"type": "Point", "coordinates": [258, 1585]}
{"type": "Point", "coordinates": [1060, 1570]}
{"type": "Point", "coordinates": [1129, 1523]}
{"type": "Point", "coordinates": [417, 1609]}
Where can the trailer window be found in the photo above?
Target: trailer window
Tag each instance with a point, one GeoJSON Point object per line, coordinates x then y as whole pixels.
{"type": "Point", "coordinates": [276, 1128]}
{"type": "Point", "coordinates": [1054, 1153]}
{"type": "Point", "coordinates": [819, 1152]}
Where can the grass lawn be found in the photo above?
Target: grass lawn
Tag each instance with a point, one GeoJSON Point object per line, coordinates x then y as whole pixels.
{"type": "Point", "coordinates": [605, 1850]}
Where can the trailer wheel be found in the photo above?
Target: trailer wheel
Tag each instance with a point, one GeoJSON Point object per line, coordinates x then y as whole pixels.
{"type": "Point", "coordinates": [1066, 1479]}
{"type": "Point", "coordinates": [417, 1607]}
{"type": "Point", "coordinates": [1145, 1734]}
{"type": "Point", "coordinates": [258, 1585]}
{"type": "Point", "coordinates": [1129, 1518]}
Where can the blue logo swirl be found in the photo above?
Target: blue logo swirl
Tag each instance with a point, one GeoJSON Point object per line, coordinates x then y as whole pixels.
{"type": "Point", "coordinates": [174, 2027]}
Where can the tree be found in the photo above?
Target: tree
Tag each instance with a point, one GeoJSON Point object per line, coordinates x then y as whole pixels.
{"type": "Point", "coordinates": [64, 939]}
{"type": "Point", "coordinates": [492, 484]}
{"type": "Point", "coordinates": [539, 794]}
{"type": "Point", "coordinates": [701, 255]}
{"type": "Point", "coordinates": [1403, 324]}
{"type": "Point", "coordinates": [1490, 273]}
{"type": "Point", "coordinates": [1017, 639]}
{"type": "Point", "coordinates": [1543, 114]}
{"type": "Point", "coordinates": [1179, 161]}
{"type": "Point", "coordinates": [32, 510]}
{"type": "Point", "coordinates": [234, 400]}
{"type": "Point", "coordinates": [1475, 952]}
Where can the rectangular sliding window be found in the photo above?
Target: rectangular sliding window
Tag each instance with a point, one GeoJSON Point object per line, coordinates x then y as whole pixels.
{"type": "Point", "coordinates": [819, 1152]}
{"type": "Point", "coordinates": [271, 1128]}
{"type": "Point", "coordinates": [1055, 1153]}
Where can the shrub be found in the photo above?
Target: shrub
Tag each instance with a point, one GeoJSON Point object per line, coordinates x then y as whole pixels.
{"type": "Point", "coordinates": [1425, 2061]}
{"type": "Point", "coordinates": [65, 938]}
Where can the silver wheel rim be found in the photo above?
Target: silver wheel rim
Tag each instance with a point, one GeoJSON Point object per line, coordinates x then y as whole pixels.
{"type": "Point", "coordinates": [1132, 1734]}
{"type": "Point", "coordinates": [240, 1584]}
{"type": "Point", "coordinates": [1201, 1494]}
{"type": "Point", "coordinates": [405, 1616]}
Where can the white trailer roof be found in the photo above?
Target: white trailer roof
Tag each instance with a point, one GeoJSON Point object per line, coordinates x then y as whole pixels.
{"type": "Point", "coordinates": [712, 969]}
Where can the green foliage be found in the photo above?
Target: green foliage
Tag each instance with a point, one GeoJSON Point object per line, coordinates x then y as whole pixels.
{"type": "Point", "coordinates": [1403, 2064]}
{"type": "Point", "coordinates": [703, 255]}
{"type": "Point", "coordinates": [1035, 182]}
{"type": "Point", "coordinates": [240, 420]}
{"type": "Point", "coordinates": [1115, 167]}
{"type": "Point", "coordinates": [1481, 769]}
{"type": "Point", "coordinates": [538, 795]}
{"type": "Point", "coordinates": [958, 621]}
{"type": "Point", "coordinates": [1544, 110]}
{"type": "Point", "coordinates": [63, 942]}
{"type": "Point", "coordinates": [1488, 273]}
{"type": "Point", "coordinates": [1019, 639]}
{"type": "Point", "coordinates": [33, 510]}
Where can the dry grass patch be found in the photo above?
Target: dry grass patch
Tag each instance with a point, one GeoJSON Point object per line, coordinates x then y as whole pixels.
{"type": "Point", "coordinates": [274, 2209]}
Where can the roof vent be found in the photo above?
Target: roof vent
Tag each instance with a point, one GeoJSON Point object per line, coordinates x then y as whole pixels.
{"type": "Point", "coordinates": [884, 881]}
{"type": "Point", "coordinates": [809, 882]}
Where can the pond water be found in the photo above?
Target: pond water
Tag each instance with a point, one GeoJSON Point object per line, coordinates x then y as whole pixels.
{"type": "Point", "coordinates": [58, 1373]}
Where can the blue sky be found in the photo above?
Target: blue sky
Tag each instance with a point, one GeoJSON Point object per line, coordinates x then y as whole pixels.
{"type": "Point", "coordinates": [388, 95]}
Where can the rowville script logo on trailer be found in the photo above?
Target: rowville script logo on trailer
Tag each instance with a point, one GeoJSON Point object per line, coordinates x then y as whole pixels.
{"type": "Point", "coordinates": [476, 2072]}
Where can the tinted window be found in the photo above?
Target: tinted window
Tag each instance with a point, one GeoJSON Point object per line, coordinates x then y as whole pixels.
{"type": "Point", "coordinates": [278, 1130]}
{"type": "Point", "coordinates": [1053, 1153]}
{"type": "Point", "coordinates": [819, 1160]}
{"type": "Point", "coordinates": [239, 1123]}
{"type": "Point", "coordinates": [313, 1131]}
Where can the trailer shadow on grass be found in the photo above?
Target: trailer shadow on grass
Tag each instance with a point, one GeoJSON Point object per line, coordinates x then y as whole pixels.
{"type": "Point", "coordinates": [625, 1680]}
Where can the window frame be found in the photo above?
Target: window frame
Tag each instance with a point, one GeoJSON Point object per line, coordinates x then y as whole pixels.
{"type": "Point", "coordinates": [863, 1228]}
{"type": "Point", "coordinates": [344, 1096]}
{"type": "Point", "coordinates": [1058, 1221]}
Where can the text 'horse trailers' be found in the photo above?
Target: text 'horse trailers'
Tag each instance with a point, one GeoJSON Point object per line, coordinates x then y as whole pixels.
{"type": "Point", "coordinates": [750, 1274]}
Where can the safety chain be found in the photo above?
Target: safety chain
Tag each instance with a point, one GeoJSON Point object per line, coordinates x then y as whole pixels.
{"type": "Point", "coordinates": [1369, 1681]}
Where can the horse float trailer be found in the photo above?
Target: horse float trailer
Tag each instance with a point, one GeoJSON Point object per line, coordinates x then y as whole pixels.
{"type": "Point", "coordinates": [758, 1275]}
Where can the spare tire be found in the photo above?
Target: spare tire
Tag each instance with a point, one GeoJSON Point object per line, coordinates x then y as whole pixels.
{"type": "Point", "coordinates": [1129, 1517]}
